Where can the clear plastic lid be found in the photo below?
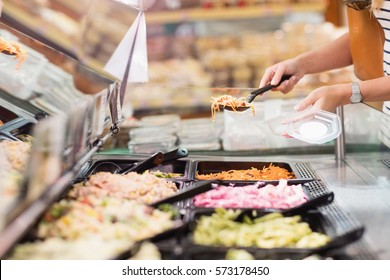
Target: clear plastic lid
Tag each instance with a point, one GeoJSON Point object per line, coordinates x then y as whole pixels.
{"type": "Point", "coordinates": [311, 126]}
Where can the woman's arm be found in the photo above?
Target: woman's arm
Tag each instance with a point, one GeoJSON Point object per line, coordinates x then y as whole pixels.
{"type": "Point", "coordinates": [333, 55]}
{"type": "Point", "coordinates": [329, 97]}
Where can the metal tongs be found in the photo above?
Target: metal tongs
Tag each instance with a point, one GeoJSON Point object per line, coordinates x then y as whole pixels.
{"type": "Point", "coordinates": [254, 94]}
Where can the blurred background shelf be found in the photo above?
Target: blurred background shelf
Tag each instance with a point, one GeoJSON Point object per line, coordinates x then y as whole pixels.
{"type": "Point", "coordinates": [232, 13]}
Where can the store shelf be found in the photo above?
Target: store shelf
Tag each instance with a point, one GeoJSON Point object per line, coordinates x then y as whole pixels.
{"type": "Point", "coordinates": [217, 14]}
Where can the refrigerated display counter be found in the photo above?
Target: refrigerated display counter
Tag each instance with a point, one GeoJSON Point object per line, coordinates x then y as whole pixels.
{"type": "Point", "coordinates": [361, 187]}
{"type": "Point", "coordinates": [346, 182]}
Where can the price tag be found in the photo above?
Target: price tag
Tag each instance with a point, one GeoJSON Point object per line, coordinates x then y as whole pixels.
{"type": "Point", "coordinates": [99, 115]}
{"type": "Point", "coordinates": [115, 106]}
{"type": "Point", "coordinates": [45, 163]}
{"type": "Point", "coordinates": [79, 128]}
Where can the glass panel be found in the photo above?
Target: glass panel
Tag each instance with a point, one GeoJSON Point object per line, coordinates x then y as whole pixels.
{"type": "Point", "coordinates": [45, 82]}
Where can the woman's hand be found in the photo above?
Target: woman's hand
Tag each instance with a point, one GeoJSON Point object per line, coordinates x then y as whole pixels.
{"type": "Point", "coordinates": [336, 54]}
{"type": "Point", "coordinates": [326, 98]}
{"type": "Point", "coordinates": [274, 73]}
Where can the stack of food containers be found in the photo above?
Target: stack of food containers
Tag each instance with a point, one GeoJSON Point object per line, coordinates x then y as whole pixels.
{"type": "Point", "coordinates": [155, 133]}
{"type": "Point", "coordinates": [200, 134]}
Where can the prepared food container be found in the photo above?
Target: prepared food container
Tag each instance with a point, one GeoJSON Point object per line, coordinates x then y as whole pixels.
{"type": "Point", "coordinates": [6, 115]}
{"type": "Point", "coordinates": [151, 139]}
{"type": "Point", "coordinates": [118, 232]}
{"type": "Point", "coordinates": [20, 80]}
{"type": "Point", "coordinates": [161, 229]}
{"type": "Point", "coordinates": [199, 134]}
{"type": "Point", "coordinates": [170, 120]}
{"type": "Point", "coordinates": [314, 222]}
{"type": "Point", "coordinates": [268, 197]}
{"type": "Point", "coordinates": [214, 167]}
{"type": "Point", "coordinates": [178, 169]}
{"type": "Point", "coordinates": [164, 144]}
{"type": "Point", "coordinates": [150, 133]}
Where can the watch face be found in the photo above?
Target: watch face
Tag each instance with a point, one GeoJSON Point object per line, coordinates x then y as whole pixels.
{"type": "Point", "coordinates": [355, 99]}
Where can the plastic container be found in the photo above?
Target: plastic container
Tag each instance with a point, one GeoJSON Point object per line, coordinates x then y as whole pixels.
{"type": "Point", "coordinates": [156, 133]}
{"type": "Point", "coordinates": [151, 139]}
{"type": "Point", "coordinates": [198, 134]}
{"type": "Point", "coordinates": [163, 144]}
{"type": "Point", "coordinates": [169, 120]}
{"type": "Point", "coordinates": [244, 130]}
{"type": "Point", "coordinates": [21, 81]}
{"type": "Point", "coordinates": [313, 126]}
{"type": "Point", "coordinates": [151, 132]}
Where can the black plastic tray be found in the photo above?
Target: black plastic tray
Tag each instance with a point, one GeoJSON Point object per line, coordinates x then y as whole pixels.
{"type": "Point", "coordinates": [179, 184]}
{"type": "Point", "coordinates": [187, 194]}
{"type": "Point", "coordinates": [165, 240]}
{"type": "Point", "coordinates": [7, 115]}
{"type": "Point", "coordinates": [15, 127]}
{"type": "Point", "coordinates": [22, 105]}
{"type": "Point", "coordinates": [313, 217]}
{"type": "Point", "coordinates": [167, 243]}
{"type": "Point", "coordinates": [207, 167]}
{"type": "Point", "coordinates": [176, 166]}
{"type": "Point", "coordinates": [314, 199]}
{"type": "Point", "coordinates": [24, 128]}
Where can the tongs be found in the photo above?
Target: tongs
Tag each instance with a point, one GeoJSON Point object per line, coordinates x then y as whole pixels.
{"type": "Point", "coordinates": [321, 200]}
{"type": "Point", "coordinates": [148, 163]}
{"type": "Point", "coordinates": [156, 159]}
{"type": "Point", "coordinates": [254, 94]}
{"type": "Point", "coordinates": [196, 188]}
{"type": "Point", "coordinates": [9, 136]}
{"type": "Point", "coordinates": [144, 165]}
{"type": "Point", "coordinates": [7, 52]}
{"type": "Point", "coordinates": [203, 186]}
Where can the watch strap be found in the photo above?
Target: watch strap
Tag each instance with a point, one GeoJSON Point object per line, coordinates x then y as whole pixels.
{"type": "Point", "coordinates": [356, 96]}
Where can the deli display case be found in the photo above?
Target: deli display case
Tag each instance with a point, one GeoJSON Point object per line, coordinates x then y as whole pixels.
{"type": "Point", "coordinates": [72, 197]}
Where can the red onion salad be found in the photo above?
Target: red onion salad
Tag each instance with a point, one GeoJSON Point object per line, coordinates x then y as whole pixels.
{"type": "Point", "coordinates": [282, 196]}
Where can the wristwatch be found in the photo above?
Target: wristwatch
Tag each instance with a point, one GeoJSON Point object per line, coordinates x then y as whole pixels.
{"type": "Point", "coordinates": [356, 96]}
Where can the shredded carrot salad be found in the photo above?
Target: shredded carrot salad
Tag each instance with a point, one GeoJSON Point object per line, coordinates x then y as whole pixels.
{"type": "Point", "coordinates": [267, 173]}
{"type": "Point", "coordinates": [15, 49]}
{"type": "Point", "coordinates": [230, 101]}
